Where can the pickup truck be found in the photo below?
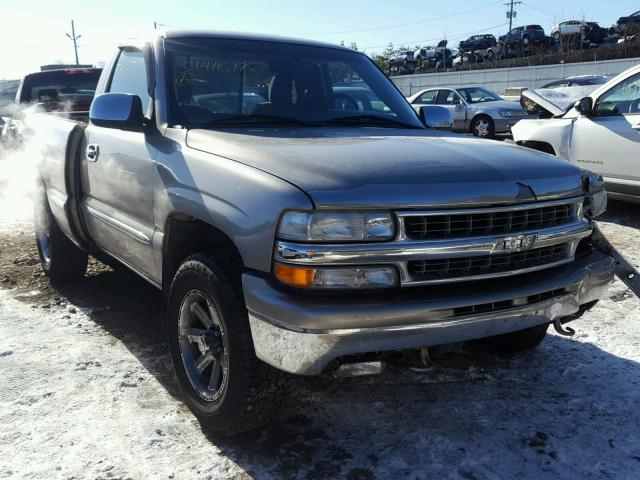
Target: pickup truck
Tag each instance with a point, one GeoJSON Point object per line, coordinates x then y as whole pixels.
{"type": "Point", "coordinates": [601, 131]}
{"type": "Point", "coordinates": [65, 92]}
{"type": "Point", "coordinates": [294, 235]}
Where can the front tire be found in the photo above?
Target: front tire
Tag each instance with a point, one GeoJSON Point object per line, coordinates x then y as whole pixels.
{"type": "Point", "coordinates": [483, 127]}
{"type": "Point", "coordinates": [224, 384]}
{"type": "Point", "coordinates": [62, 261]}
{"type": "Point", "coordinates": [520, 341]}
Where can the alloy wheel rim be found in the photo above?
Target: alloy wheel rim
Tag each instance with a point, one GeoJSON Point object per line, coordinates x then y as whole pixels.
{"type": "Point", "coordinates": [203, 346]}
{"type": "Point", "coordinates": [482, 128]}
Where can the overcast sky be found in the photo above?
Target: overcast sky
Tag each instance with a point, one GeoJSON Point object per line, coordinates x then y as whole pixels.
{"type": "Point", "coordinates": [33, 31]}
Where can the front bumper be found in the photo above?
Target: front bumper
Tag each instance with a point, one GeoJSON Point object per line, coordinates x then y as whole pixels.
{"type": "Point", "coordinates": [302, 334]}
{"type": "Point", "coordinates": [504, 124]}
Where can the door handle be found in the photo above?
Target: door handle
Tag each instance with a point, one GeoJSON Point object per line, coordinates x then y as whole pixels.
{"type": "Point", "coordinates": [92, 152]}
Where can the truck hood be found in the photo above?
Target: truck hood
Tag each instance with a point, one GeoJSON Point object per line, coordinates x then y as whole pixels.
{"type": "Point", "coordinates": [367, 167]}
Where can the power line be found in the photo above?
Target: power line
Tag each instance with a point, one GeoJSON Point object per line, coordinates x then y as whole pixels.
{"type": "Point", "coordinates": [453, 37]}
{"type": "Point", "coordinates": [418, 22]}
{"type": "Point", "coordinates": [75, 38]}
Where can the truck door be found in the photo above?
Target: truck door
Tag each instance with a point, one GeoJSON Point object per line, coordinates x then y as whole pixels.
{"type": "Point", "coordinates": [608, 141]}
{"type": "Point", "coordinates": [454, 103]}
{"type": "Point", "coordinates": [117, 175]}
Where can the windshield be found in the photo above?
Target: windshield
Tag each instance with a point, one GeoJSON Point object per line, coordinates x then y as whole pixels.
{"type": "Point", "coordinates": [220, 82]}
{"type": "Point", "coordinates": [478, 95]}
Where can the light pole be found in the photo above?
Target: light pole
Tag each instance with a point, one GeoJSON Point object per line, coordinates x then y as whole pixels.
{"type": "Point", "coordinates": [74, 38]}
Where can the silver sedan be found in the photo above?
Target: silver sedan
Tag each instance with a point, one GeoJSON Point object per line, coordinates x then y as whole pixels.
{"type": "Point", "coordinates": [474, 109]}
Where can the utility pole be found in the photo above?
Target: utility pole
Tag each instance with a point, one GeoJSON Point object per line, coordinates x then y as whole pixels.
{"type": "Point", "coordinates": [75, 40]}
{"type": "Point", "coordinates": [511, 13]}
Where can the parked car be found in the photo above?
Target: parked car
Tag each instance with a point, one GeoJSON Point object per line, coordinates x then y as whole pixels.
{"type": "Point", "coordinates": [8, 90]}
{"type": "Point", "coordinates": [439, 55]}
{"type": "Point", "coordinates": [601, 132]}
{"type": "Point", "coordinates": [66, 92]}
{"type": "Point", "coordinates": [478, 42]}
{"type": "Point", "coordinates": [296, 236]}
{"type": "Point", "coordinates": [522, 40]}
{"type": "Point", "coordinates": [474, 109]}
{"type": "Point", "coordinates": [578, 31]}
{"type": "Point", "coordinates": [578, 80]}
{"type": "Point", "coordinates": [405, 59]}
{"type": "Point", "coordinates": [629, 25]}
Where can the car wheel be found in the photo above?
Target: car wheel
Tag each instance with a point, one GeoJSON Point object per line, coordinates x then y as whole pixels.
{"type": "Point", "coordinates": [556, 36]}
{"type": "Point", "coordinates": [490, 55]}
{"type": "Point", "coordinates": [224, 384]}
{"type": "Point", "coordinates": [61, 260]}
{"type": "Point", "coordinates": [515, 342]}
{"type": "Point", "coordinates": [483, 126]}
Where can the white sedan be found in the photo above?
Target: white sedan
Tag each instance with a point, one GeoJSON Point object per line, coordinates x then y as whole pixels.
{"type": "Point", "coordinates": [600, 133]}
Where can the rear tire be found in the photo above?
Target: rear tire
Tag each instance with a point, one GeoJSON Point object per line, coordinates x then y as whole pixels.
{"type": "Point", "coordinates": [515, 342]}
{"type": "Point", "coordinates": [233, 391]}
{"type": "Point", "coordinates": [62, 261]}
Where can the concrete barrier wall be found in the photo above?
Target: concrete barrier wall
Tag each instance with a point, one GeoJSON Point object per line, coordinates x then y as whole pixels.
{"type": "Point", "coordinates": [499, 79]}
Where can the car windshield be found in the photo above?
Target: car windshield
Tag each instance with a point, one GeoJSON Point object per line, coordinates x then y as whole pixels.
{"type": "Point", "coordinates": [478, 95]}
{"type": "Point", "coordinates": [227, 82]}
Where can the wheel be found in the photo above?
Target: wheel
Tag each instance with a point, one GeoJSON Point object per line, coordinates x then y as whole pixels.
{"type": "Point", "coordinates": [490, 55]}
{"type": "Point", "coordinates": [556, 36]}
{"type": "Point", "coordinates": [483, 126]}
{"type": "Point", "coordinates": [224, 384]}
{"type": "Point", "coordinates": [520, 341]}
{"type": "Point", "coordinates": [61, 259]}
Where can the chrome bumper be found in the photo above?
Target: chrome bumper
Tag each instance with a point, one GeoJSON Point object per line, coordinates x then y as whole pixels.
{"type": "Point", "coordinates": [302, 335]}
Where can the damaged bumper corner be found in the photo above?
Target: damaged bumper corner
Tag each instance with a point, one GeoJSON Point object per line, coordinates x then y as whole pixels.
{"type": "Point", "coordinates": [288, 334]}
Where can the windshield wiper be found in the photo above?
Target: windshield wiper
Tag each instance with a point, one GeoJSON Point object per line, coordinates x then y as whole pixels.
{"type": "Point", "coordinates": [260, 118]}
{"type": "Point", "coordinates": [370, 120]}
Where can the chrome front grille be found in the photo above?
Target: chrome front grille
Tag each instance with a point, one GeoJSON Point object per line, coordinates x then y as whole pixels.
{"type": "Point", "coordinates": [459, 225]}
{"type": "Point", "coordinates": [467, 244]}
{"type": "Point", "coordinates": [454, 268]}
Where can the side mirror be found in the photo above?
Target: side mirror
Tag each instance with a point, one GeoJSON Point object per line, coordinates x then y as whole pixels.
{"type": "Point", "coordinates": [117, 110]}
{"type": "Point", "coordinates": [584, 106]}
{"type": "Point", "coordinates": [436, 117]}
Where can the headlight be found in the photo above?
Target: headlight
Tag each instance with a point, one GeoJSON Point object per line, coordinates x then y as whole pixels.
{"type": "Point", "coordinates": [338, 278]}
{"type": "Point", "coordinates": [336, 226]}
{"type": "Point", "coordinates": [597, 194]}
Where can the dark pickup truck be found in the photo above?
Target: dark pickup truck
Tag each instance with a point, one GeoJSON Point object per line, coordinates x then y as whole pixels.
{"type": "Point", "coordinates": [65, 92]}
{"type": "Point", "coordinates": [297, 214]}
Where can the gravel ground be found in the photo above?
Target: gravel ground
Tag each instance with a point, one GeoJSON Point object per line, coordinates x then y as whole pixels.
{"type": "Point", "coordinates": [86, 391]}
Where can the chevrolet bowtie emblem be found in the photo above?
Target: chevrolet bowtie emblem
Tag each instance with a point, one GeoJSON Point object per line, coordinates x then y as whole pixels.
{"type": "Point", "coordinates": [515, 243]}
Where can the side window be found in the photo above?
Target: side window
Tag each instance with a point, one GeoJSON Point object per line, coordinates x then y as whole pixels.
{"type": "Point", "coordinates": [427, 97]}
{"type": "Point", "coordinates": [622, 99]}
{"type": "Point", "coordinates": [130, 76]}
{"type": "Point", "coordinates": [448, 97]}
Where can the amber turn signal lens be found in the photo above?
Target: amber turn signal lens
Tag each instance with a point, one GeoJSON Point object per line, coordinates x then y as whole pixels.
{"type": "Point", "coordinates": [294, 276]}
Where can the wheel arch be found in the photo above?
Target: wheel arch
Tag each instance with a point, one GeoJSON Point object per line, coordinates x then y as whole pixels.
{"type": "Point", "coordinates": [477, 115]}
{"type": "Point", "coordinates": [541, 146]}
{"type": "Point", "coordinates": [185, 235]}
